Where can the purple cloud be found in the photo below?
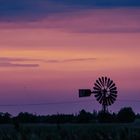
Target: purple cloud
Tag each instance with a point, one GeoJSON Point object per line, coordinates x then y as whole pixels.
{"type": "Point", "coordinates": [12, 62]}
{"type": "Point", "coordinates": [17, 65]}
{"type": "Point", "coordinates": [69, 60]}
{"type": "Point", "coordinates": [25, 10]}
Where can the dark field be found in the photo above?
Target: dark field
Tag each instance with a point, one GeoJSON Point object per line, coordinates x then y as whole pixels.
{"type": "Point", "coordinates": [71, 132]}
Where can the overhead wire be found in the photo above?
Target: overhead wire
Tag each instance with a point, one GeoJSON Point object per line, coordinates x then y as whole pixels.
{"type": "Point", "coordinates": [62, 102]}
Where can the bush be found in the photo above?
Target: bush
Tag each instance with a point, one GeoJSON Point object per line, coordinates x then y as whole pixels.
{"type": "Point", "coordinates": [106, 117]}
{"type": "Point", "coordinates": [84, 117]}
{"type": "Point", "coordinates": [126, 115]}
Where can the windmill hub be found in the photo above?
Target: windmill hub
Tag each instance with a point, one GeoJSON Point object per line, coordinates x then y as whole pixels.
{"type": "Point", "coordinates": [105, 92]}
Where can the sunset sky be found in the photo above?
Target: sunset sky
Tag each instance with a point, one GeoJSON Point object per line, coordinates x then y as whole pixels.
{"type": "Point", "coordinates": [51, 48]}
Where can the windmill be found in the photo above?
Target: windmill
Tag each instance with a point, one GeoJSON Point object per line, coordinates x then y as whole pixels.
{"type": "Point", "coordinates": [104, 90]}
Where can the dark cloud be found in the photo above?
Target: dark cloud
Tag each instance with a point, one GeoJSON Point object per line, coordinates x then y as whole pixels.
{"type": "Point", "coordinates": [37, 9]}
{"type": "Point", "coordinates": [12, 62]}
{"type": "Point", "coordinates": [17, 62]}
{"type": "Point", "coordinates": [70, 60]}
{"type": "Point", "coordinates": [100, 3]}
{"type": "Point", "coordinates": [8, 64]}
{"type": "Point", "coordinates": [79, 59]}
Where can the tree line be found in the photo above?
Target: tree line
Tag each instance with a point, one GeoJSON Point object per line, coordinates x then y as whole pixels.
{"type": "Point", "coordinates": [125, 115]}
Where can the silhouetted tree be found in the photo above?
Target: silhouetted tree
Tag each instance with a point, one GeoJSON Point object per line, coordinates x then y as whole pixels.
{"type": "Point", "coordinates": [16, 124]}
{"type": "Point", "coordinates": [26, 117]}
{"type": "Point", "coordinates": [137, 116]}
{"type": "Point", "coordinates": [84, 117]}
{"type": "Point", "coordinates": [60, 118]}
{"type": "Point", "coordinates": [126, 115]}
{"type": "Point", "coordinates": [105, 117]}
{"type": "Point", "coordinates": [5, 117]}
{"type": "Point", "coordinates": [94, 114]}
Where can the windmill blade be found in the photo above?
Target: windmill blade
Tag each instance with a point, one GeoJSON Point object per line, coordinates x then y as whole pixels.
{"type": "Point", "coordinates": [105, 101]}
{"type": "Point", "coordinates": [105, 81]}
{"type": "Point", "coordinates": [113, 92]}
{"type": "Point", "coordinates": [97, 82]}
{"type": "Point", "coordinates": [108, 81]}
{"type": "Point", "coordinates": [101, 100]}
{"type": "Point", "coordinates": [111, 86]}
{"type": "Point", "coordinates": [97, 92]}
{"type": "Point", "coordinates": [98, 86]}
{"type": "Point", "coordinates": [101, 82]}
{"type": "Point", "coordinates": [112, 89]}
{"type": "Point", "coordinates": [98, 97]}
{"type": "Point", "coordinates": [113, 98]}
{"type": "Point", "coordinates": [109, 102]}
{"type": "Point", "coordinates": [113, 95]}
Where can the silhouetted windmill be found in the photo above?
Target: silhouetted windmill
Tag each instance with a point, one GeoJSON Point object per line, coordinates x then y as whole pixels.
{"type": "Point", "coordinates": [104, 90]}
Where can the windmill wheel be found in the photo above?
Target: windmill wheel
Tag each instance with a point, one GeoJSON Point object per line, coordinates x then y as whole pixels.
{"type": "Point", "coordinates": [105, 91]}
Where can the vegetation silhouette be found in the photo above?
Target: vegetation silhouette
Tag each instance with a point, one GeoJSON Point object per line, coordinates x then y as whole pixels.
{"type": "Point", "coordinates": [125, 115]}
{"type": "Point", "coordinates": [84, 125]}
{"type": "Point", "coordinates": [106, 117]}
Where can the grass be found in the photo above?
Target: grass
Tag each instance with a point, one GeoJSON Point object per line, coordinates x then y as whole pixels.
{"type": "Point", "coordinates": [71, 132]}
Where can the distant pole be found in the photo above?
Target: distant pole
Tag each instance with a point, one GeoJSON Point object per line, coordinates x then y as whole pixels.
{"type": "Point", "coordinates": [104, 108]}
{"type": "Point", "coordinates": [104, 100]}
